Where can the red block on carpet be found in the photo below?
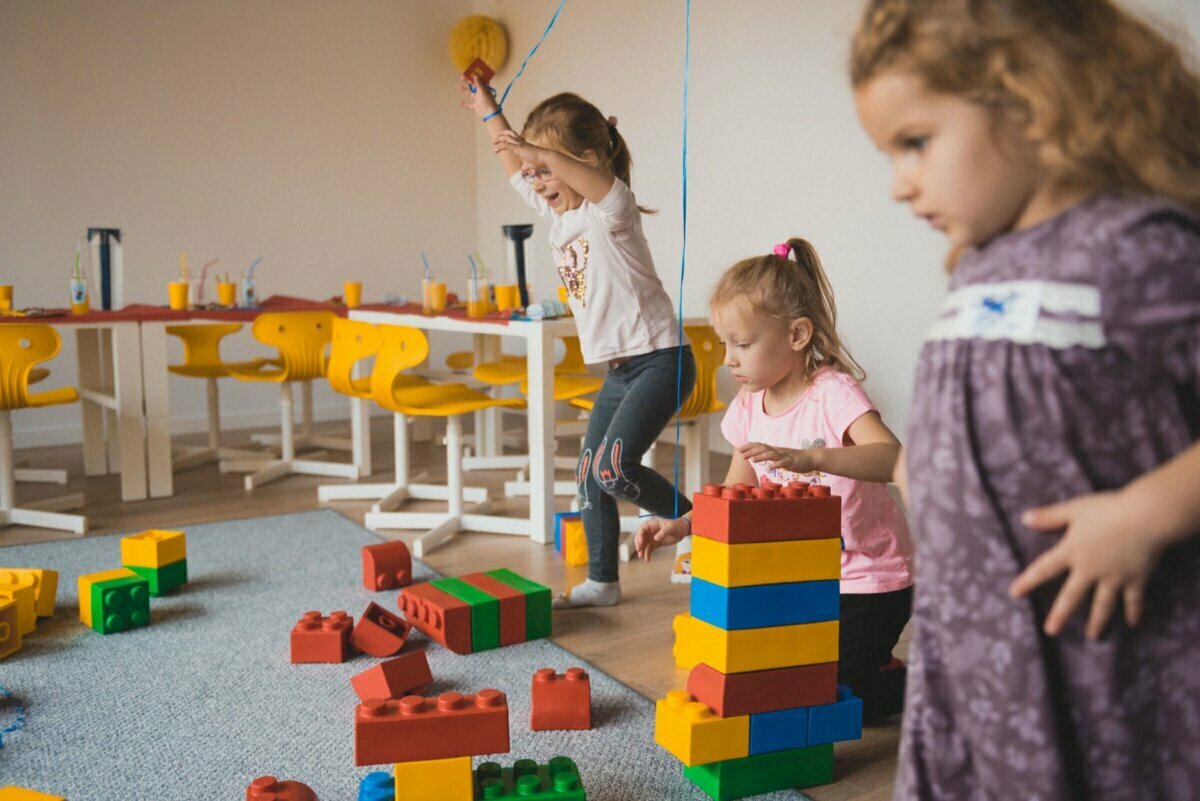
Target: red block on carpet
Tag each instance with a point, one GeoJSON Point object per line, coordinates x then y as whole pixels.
{"type": "Point", "coordinates": [438, 615]}
{"type": "Point", "coordinates": [379, 632]}
{"type": "Point", "coordinates": [321, 639]}
{"type": "Point", "coordinates": [561, 701]}
{"type": "Point", "coordinates": [386, 566]}
{"type": "Point", "coordinates": [733, 694]}
{"type": "Point", "coordinates": [394, 678]}
{"type": "Point", "coordinates": [415, 728]}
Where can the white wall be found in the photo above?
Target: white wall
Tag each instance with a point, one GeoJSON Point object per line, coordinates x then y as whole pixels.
{"type": "Point", "coordinates": [322, 136]}
{"type": "Point", "coordinates": [774, 151]}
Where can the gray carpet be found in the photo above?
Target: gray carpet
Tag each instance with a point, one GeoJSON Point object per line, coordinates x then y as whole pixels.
{"type": "Point", "coordinates": [205, 698]}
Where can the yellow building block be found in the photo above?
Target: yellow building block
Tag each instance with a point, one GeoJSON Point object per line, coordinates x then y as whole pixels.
{"type": "Point", "coordinates": [45, 587]}
{"type": "Point", "coordinates": [154, 548]}
{"type": "Point", "coordinates": [11, 793]}
{"type": "Point", "coordinates": [10, 633]}
{"type": "Point", "coordinates": [753, 649]}
{"type": "Point", "coordinates": [750, 563]}
{"type": "Point", "coordinates": [22, 590]}
{"type": "Point", "coordinates": [85, 589]}
{"type": "Point", "coordinates": [435, 780]}
{"type": "Point", "coordinates": [695, 735]}
{"type": "Point", "coordinates": [574, 543]}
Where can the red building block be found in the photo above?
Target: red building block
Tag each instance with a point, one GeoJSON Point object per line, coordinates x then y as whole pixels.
{"type": "Point", "coordinates": [512, 606]}
{"type": "Point", "coordinates": [438, 615]}
{"type": "Point", "coordinates": [379, 632]}
{"type": "Point", "coordinates": [394, 678]}
{"type": "Point", "coordinates": [268, 788]}
{"type": "Point", "coordinates": [733, 694]}
{"type": "Point", "coordinates": [415, 728]}
{"type": "Point", "coordinates": [322, 639]}
{"type": "Point", "coordinates": [480, 71]}
{"type": "Point", "coordinates": [766, 514]}
{"type": "Point", "coordinates": [561, 701]}
{"type": "Point", "coordinates": [386, 566]}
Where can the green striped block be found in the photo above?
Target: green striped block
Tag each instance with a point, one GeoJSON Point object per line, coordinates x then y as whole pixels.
{"type": "Point", "coordinates": [537, 602]}
{"type": "Point", "coordinates": [485, 612]}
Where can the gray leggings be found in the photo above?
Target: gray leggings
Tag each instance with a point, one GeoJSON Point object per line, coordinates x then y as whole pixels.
{"type": "Point", "coordinates": [636, 402]}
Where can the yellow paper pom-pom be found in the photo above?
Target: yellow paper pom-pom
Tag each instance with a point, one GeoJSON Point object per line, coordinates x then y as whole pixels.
{"type": "Point", "coordinates": [478, 36]}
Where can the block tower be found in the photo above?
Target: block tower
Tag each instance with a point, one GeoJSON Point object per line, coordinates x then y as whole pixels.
{"type": "Point", "coordinates": [762, 707]}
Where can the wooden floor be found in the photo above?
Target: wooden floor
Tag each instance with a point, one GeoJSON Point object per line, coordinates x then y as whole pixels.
{"type": "Point", "coordinates": [631, 642]}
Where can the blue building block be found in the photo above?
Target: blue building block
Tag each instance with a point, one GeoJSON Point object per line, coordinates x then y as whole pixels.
{"type": "Point", "coordinates": [377, 786]}
{"type": "Point", "coordinates": [766, 604]}
{"type": "Point", "coordinates": [836, 722]}
{"type": "Point", "coordinates": [558, 526]}
{"type": "Point", "coordinates": [779, 730]}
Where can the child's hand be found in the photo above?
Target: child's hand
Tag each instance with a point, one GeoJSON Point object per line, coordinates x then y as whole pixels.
{"type": "Point", "coordinates": [659, 531]}
{"type": "Point", "coordinates": [1106, 545]}
{"type": "Point", "coordinates": [511, 142]}
{"type": "Point", "coordinates": [481, 101]}
{"type": "Point", "coordinates": [801, 461]}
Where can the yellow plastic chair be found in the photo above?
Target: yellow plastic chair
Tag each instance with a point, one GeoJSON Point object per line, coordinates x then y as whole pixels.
{"type": "Point", "coordinates": [39, 475]}
{"type": "Point", "coordinates": [22, 346]}
{"type": "Point", "coordinates": [512, 369]}
{"type": "Point", "coordinates": [301, 339]}
{"type": "Point", "coordinates": [404, 347]}
{"type": "Point", "coordinates": [202, 359]}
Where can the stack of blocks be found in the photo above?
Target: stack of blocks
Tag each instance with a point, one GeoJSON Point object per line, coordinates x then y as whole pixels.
{"type": "Point", "coordinates": [762, 708]}
{"type": "Point", "coordinates": [25, 595]}
{"type": "Point", "coordinates": [569, 539]}
{"type": "Point", "coordinates": [479, 611]}
{"type": "Point", "coordinates": [160, 557]}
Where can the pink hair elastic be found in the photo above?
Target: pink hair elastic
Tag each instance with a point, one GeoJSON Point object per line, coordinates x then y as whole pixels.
{"type": "Point", "coordinates": [783, 250]}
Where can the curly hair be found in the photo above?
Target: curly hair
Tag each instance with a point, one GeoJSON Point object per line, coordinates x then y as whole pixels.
{"type": "Point", "coordinates": [788, 290]}
{"type": "Point", "coordinates": [1112, 101]}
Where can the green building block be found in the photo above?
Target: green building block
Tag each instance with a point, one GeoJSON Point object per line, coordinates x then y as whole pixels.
{"type": "Point", "coordinates": [764, 773]}
{"type": "Point", "coordinates": [528, 781]}
{"type": "Point", "coordinates": [537, 602]}
{"type": "Point", "coordinates": [163, 579]}
{"type": "Point", "coordinates": [485, 612]}
{"type": "Point", "coordinates": [120, 604]}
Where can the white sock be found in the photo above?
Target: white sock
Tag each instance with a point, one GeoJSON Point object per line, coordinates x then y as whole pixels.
{"type": "Point", "coordinates": [590, 593]}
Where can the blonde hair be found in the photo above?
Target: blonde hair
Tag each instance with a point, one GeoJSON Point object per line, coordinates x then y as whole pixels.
{"type": "Point", "coordinates": [788, 290]}
{"type": "Point", "coordinates": [1110, 98]}
{"type": "Point", "coordinates": [573, 126]}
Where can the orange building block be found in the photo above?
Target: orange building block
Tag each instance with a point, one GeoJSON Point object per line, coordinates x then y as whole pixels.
{"type": "Point", "coordinates": [766, 514]}
{"type": "Point", "coordinates": [512, 606]}
{"type": "Point", "coordinates": [415, 728]}
{"type": "Point", "coordinates": [12, 793]}
{"type": "Point", "coordinates": [438, 615]}
{"type": "Point", "coordinates": [733, 694]}
{"type": "Point", "coordinates": [379, 632]}
{"type": "Point", "coordinates": [386, 566]}
{"type": "Point", "coordinates": [268, 788]}
{"type": "Point", "coordinates": [395, 678]}
{"type": "Point", "coordinates": [321, 639]}
{"type": "Point", "coordinates": [561, 701]}
{"type": "Point", "coordinates": [10, 632]}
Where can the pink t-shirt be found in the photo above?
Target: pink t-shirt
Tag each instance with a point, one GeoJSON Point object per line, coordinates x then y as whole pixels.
{"type": "Point", "coordinates": [878, 553]}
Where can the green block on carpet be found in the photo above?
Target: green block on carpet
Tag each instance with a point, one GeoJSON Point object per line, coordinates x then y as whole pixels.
{"type": "Point", "coordinates": [163, 579]}
{"type": "Point", "coordinates": [485, 612]}
{"type": "Point", "coordinates": [120, 604]}
{"type": "Point", "coordinates": [537, 602]}
{"type": "Point", "coordinates": [764, 773]}
{"type": "Point", "coordinates": [528, 781]}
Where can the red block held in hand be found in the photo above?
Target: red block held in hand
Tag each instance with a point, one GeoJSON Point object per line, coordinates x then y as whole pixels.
{"type": "Point", "coordinates": [321, 639]}
{"type": "Point", "coordinates": [561, 701]}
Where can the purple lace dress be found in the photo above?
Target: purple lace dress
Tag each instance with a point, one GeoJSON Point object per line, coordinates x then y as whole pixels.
{"type": "Point", "coordinates": [1066, 360]}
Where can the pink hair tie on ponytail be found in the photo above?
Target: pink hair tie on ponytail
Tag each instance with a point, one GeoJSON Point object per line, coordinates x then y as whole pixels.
{"type": "Point", "coordinates": [783, 250]}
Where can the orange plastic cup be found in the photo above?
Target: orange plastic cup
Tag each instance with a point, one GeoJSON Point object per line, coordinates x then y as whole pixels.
{"type": "Point", "coordinates": [226, 293]}
{"type": "Point", "coordinates": [564, 298]}
{"type": "Point", "coordinates": [177, 295]}
{"type": "Point", "coordinates": [438, 299]}
{"type": "Point", "coordinates": [352, 294]}
{"type": "Point", "coordinates": [508, 296]}
{"type": "Point", "coordinates": [6, 297]}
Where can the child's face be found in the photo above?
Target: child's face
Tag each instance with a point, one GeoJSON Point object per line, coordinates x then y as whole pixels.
{"type": "Point", "coordinates": [561, 197]}
{"type": "Point", "coordinates": [758, 346]}
{"type": "Point", "coordinates": [969, 176]}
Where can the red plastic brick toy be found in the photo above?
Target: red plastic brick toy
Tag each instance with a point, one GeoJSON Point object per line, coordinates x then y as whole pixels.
{"type": "Point", "coordinates": [415, 728]}
{"type": "Point", "coordinates": [386, 566]}
{"type": "Point", "coordinates": [480, 71]}
{"type": "Point", "coordinates": [770, 513]}
{"type": "Point", "coordinates": [438, 615]}
{"type": "Point", "coordinates": [733, 694]}
{"type": "Point", "coordinates": [379, 632]}
{"type": "Point", "coordinates": [561, 701]}
{"type": "Point", "coordinates": [268, 788]}
{"type": "Point", "coordinates": [321, 639]}
{"type": "Point", "coordinates": [512, 606]}
{"type": "Point", "coordinates": [394, 678]}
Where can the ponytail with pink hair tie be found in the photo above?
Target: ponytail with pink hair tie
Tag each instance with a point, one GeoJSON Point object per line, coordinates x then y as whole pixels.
{"type": "Point", "coordinates": [783, 250]}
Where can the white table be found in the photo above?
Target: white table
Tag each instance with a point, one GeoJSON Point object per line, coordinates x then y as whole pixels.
{"type": "Point", "coordinates": [539, 341]}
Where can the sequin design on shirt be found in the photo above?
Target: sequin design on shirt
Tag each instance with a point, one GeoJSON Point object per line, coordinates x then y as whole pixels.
{"type": "Point", "coordinates": [572, 269]}
{"type": "Point", "coordinates": [780, 476]}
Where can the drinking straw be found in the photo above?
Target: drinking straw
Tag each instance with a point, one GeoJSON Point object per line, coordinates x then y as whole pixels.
{"type": "Point", "coordinates": [203, 273]}
{"type": "Point", "coordinates": [250, 272]}
{"type": "Point", "coordinates": [425, 261]}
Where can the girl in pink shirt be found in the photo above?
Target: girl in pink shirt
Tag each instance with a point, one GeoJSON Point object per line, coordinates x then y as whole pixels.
{"type": "Point", "coordinates": [802, 415]}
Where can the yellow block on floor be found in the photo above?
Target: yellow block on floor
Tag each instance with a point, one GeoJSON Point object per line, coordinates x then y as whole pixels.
{"type": "Point", "coordinates": [11, 793]}
{"type": "Point", "coordinates": [750, 563]}
{"type": "Point", "coordinates": [154, 548]}
{"type": "Point", "coordinates": [20, 589]}
{"type": "Point", "coordinates": [10, 633]}
{"type": "Point", "coordinates": [695, 735]}
{"type": "Point", "coordinates": [85, 589]}
{"type": "Point", "coordinates": [45, 587]}
{"type": "Point", "coordinates": [574, 543]}
{"type": "Point", "coordinates": [753, 649]}
{"type": "Point", "coordinates": [435, 780]}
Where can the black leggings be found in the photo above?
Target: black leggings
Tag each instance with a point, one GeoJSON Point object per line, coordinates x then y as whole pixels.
{"type": "Point", "coordinates": [870, 627]}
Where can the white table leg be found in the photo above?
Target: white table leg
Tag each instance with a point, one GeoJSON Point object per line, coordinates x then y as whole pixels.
{"type": "Point", "coordinates": [158, 409]}
{"type": "Point", "coordinates": [541, 435]}
{"type": "Point", "coordinates": [87, 358]}
{"type": "Point", "coordinates": [127, 386]}
{"type": "Point", "coordinates": [360, 426]}
{"type": "Point", "coordinates": [108, 384]}
{"type": "Point", "coordinates": [488, 433]}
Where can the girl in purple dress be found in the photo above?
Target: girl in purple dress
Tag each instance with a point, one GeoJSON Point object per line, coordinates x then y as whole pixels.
{"type": "Point", "coordinates": [1053, 460]}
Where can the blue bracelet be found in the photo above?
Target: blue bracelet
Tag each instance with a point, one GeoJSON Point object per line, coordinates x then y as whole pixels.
{"type": "Point", "coordinates": [495, 113]}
